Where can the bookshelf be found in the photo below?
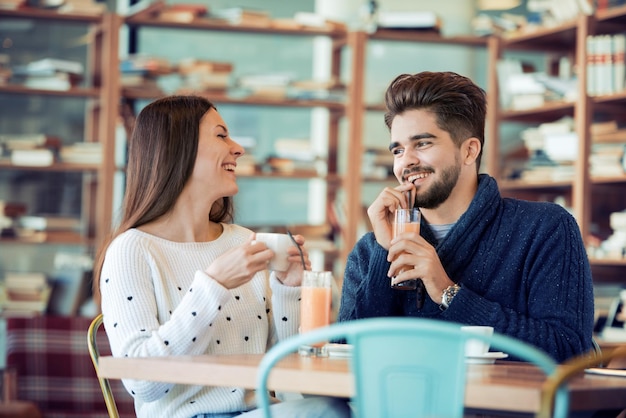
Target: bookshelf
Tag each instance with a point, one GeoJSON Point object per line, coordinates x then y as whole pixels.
{"type": "Point", "coordinates": [41, 190]}
{"type": "Point", "coordinates": [592, 198]}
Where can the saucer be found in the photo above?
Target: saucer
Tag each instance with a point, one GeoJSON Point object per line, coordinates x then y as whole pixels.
{"type": "Point", "coordinates": [487, 358]}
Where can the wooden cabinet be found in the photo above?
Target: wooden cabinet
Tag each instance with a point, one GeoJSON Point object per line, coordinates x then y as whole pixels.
{"type": "Point", "coordinates": [592, 199]}
{"type": "Point", "coordinates": [311, 193]}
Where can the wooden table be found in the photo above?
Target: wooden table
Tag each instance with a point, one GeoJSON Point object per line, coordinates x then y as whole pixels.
{"type": "Point", "coordinates": [504, 386]}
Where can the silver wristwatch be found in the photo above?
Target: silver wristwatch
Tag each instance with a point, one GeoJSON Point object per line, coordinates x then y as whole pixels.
{"type": "Point", "coordinates": [448, 294]}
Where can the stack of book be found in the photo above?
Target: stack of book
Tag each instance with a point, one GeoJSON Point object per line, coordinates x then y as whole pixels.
{"type": "Point", "coordinates": [377, 163]}
{"type": "Point", "coordinates": [292, 155]}
{"type": "Point", "coordinates": [316, 90]}
{"type": "Point", "coordinates": [208, 76]}
{"type": "Point", "coordinates": [614, 246]}
{"type": "Point", "coordinates": [83, 7]}
{"type": "Point", "coordinates": [183, 12]}
{"type": "Point", "coordinates": [407, 19]}
{"type": "Point", "coordinates": [272, 85]}
{"type": "Point", "coordinates": [608, 145]}
{"type": "Point", "coordinates": [26, 294]}
{"type": "Point", "coordinates": [82, 153]}
{"type": "Point", "coordinates": [143, 71]}
{"type": "Point", "coordinates": [11, 4]}
{"type": "Point", "coordinates": [241, 16]}
{"type": "Point", "coordinates": [31, 150]}
{"type": "Point", "coordinates": [553, 149]}
{"type": "Point", "coordinates": [50, 74]}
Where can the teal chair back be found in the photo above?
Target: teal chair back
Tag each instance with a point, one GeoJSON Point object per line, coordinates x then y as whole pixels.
{"type": "Point", "coordinates": [404, 367]}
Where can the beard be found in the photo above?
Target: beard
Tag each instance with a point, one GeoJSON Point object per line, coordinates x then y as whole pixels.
{"type": "Point", "coordinates": [440, 190]}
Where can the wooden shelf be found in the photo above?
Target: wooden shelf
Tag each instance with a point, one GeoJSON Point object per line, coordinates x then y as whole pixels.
{"type": "Point", "coordinates": [549, 112]}
{"type": "Point", "coordinates": [92, 93]}
{"type": "Point", "coordinates": [400, 35]}
{"type": "Point", "coordinates": [70, 167]}
{"type": "Point", "coordinates": [618, 262]}
{"type": "Point", "coordinates": [511, 185]}
{"type": "Point", "coordinates": [217, 25]}
{"type": "Point", "coordinates": [50, 237]}
{"type": "Point", "coordinates": [558, 38]}
{"type": "Point", "coordinates": [51, 15]}
{"type": "Point", "coordinates": [140, 94]}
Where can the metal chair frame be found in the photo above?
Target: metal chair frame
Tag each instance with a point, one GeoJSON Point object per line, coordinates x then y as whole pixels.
{"type": "Point", "coordinates": [92, 333]}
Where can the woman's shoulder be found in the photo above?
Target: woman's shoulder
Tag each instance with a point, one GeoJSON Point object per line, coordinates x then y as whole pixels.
{"type": "Point", "coordinates": [130, 239]}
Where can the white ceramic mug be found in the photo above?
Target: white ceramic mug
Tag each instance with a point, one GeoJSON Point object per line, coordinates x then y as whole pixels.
{"type": "Point", "coordinates": [278, 243]}
{"type": "Point", "coordinates": [475, 347]}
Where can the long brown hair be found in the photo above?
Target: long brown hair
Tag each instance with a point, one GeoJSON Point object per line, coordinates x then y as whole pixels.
{"type": "Point", "coordinates": [161, 155]}
{"type": "Point", "coordinates": [459, 105]}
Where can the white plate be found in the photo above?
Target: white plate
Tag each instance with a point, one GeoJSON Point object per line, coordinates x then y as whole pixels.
{"type": "Point", "coordinates": [487, 358]}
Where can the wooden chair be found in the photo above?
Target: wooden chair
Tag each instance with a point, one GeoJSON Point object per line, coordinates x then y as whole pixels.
{"type": "Point", "coordinates": [404, 367]}
{"type": "Point", "coordinates": [558, 380]}
{"type": "Point", "coordinates": [92, 333]}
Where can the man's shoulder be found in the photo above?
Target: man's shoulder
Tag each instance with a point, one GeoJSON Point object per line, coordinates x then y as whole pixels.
{"type": "Point", "coordinates": [537, 213]}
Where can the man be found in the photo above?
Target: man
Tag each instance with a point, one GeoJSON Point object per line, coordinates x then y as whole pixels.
{"type": "Point", "coordinates": [518, 266]}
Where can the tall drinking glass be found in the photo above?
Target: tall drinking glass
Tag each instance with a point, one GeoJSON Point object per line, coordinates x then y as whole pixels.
{"type": "Point", "coordinates": [315, 306]}
{"type": "Point", "coordinates": [406, 220]}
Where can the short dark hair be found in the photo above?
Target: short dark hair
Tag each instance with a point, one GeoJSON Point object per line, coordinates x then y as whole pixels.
{"type": "Point", "coordinates": [459, 104]}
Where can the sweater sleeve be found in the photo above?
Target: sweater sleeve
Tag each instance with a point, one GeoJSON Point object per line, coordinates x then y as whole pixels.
{"type": "Point", "coordinates": [285, 309]}
{"type": "Point", "coordinates": [365, 283]}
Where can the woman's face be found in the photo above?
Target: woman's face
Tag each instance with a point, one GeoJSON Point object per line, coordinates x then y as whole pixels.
{"type": "Point", "coordinates": [214, 170]}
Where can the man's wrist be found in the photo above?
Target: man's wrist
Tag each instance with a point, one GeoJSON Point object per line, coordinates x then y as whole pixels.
{"type": "Point", "coordinates": [448, 295]}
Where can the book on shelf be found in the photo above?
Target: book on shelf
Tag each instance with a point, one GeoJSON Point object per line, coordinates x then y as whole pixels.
{"type": "Point", "coordinates": [25, 294]}
{"type": "Point", "coordinates": [49, 223]}
{"type": "Point", "coordinates": [82, 153]}
{"type": "Point", "coordinates": [308, 19]}
{"type": "Point", "coordinates": [606, 63]}
{"type": "Point", "coordinates": [48, 65]}
{"type": "Point", "coordinates": [29, 141]}
{"type": "Point", "coordinates": [242, 16]}
{"type": "Point", "coordinates": [11, 4]}
{"type": "Point", "coordinates": [57, 81]}
{"type": "Point", "coordinates": [33, 157]}
{"type": "Point", "coordinates": [83, 6]}
{"type": "Point", "coordinates": [607, 132]}
{"type": "Point", "coordinates": [205, 74]}
{"type": "Point", "coordinates": [182, 12]}
{"type": "Point", "coordinates": [407, 19]}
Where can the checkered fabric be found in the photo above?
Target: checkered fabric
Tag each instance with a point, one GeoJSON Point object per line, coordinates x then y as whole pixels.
{"type": "Point", "coordinates": [54, 369]}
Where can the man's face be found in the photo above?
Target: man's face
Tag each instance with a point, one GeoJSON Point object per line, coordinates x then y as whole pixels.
{"type": "Point", "coordinates": [424, 155]}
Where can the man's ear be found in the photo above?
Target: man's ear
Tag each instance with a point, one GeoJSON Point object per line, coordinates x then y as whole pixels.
{"type": "Point", "coordinates": [470, 150]}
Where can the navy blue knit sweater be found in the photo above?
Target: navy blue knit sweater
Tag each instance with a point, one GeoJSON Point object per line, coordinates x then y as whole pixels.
{"type": "Point", "coordinates": [522, 267]}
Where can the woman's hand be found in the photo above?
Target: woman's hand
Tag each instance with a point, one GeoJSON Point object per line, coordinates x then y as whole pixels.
{"type": "Point", "coordinates": [238, 265]}
{"type": "Point", "coordinates": [294, 273]}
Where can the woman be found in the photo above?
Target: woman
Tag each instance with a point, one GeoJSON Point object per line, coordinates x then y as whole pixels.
{"type": "Point", "coordinates": [177, 278]}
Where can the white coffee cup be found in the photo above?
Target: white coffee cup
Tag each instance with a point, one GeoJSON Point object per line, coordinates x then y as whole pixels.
{"type": "Point", "coordinates": [475, 347]}
{"type": "Point", "coordinates": [279, 244]}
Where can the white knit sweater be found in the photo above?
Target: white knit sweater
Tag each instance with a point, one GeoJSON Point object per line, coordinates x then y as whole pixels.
{"type": "Point", "coordinates": [157, 301]}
